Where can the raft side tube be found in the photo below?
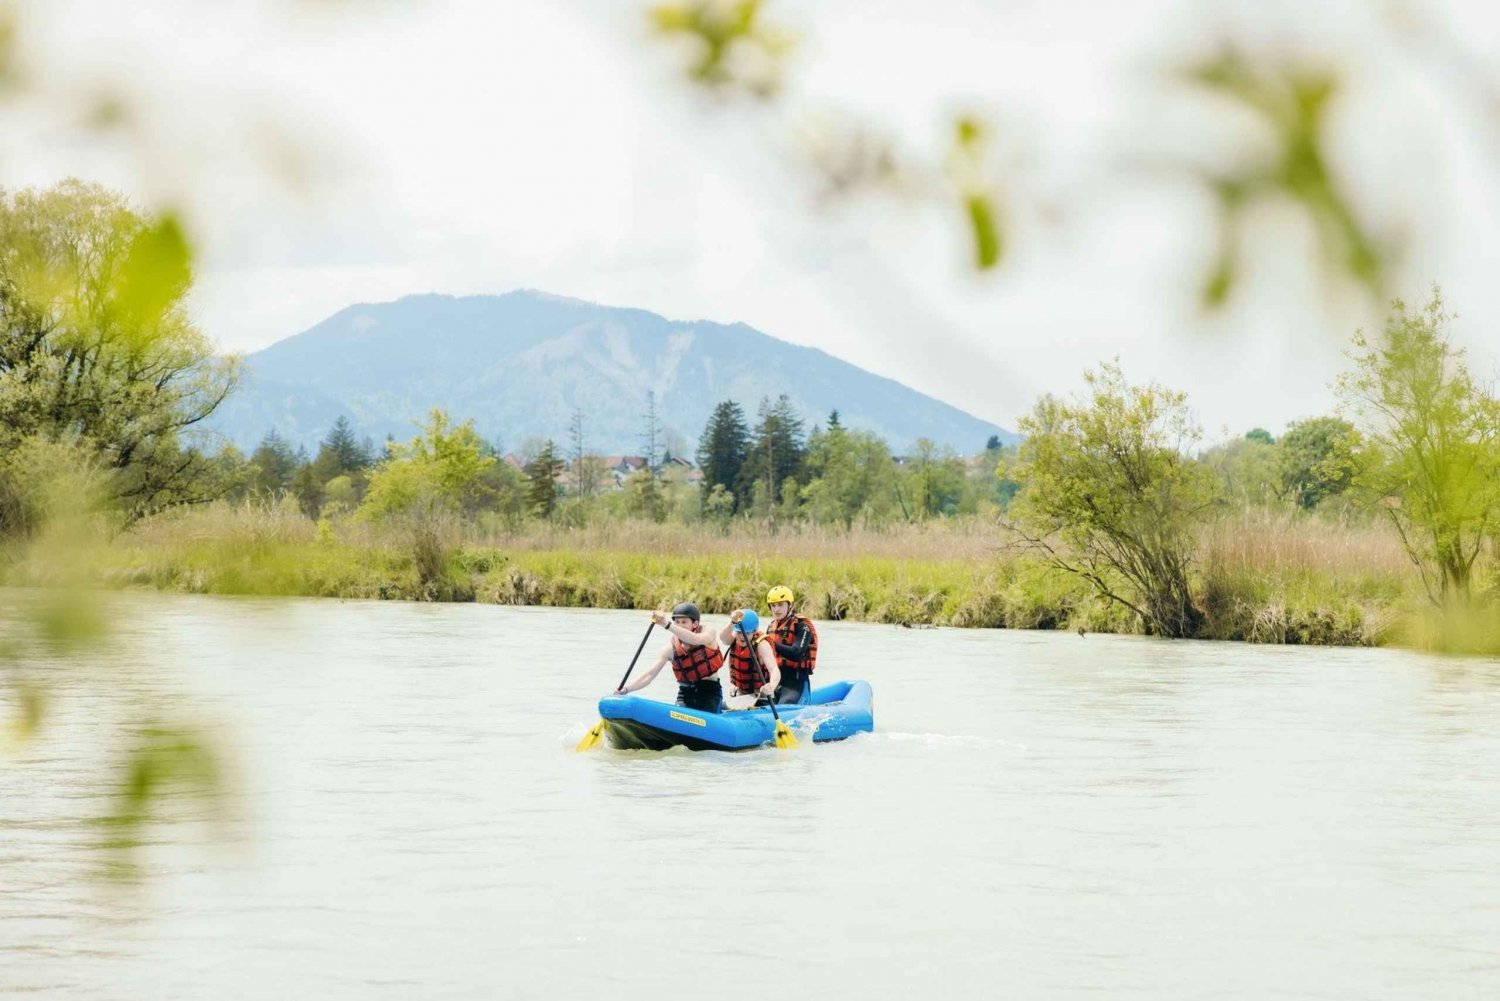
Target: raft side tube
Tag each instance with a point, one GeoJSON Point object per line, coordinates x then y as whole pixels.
{"type": "Point", "coordinates": [834, 712]}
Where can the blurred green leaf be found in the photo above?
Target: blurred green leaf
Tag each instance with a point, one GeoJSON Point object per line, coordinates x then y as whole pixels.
{"type": "Point", "coordinates": [1293, 103]}
{"type": "Point", "coordinates": [986, 231]}
{"type": "Point", "coordinates": [736, 47]}
{"type": "Point", "coordinates": [10, 51]}
{"type": "Point", "coordinates": [164, 758]}
{"type": "Point", "coordinates": [970, 171]}
{"type": "Point", "coordinates": [31, 709]}
{"type": "Point", "coordinates": [970, 131]}
{"type": "Point", "coordinates": [1225, 273]}
{"type": "Point", "coordinates": [1220, 282]}
{"type": "Point", "coordinates": [156, 272]}
{"type": "Point", "coordinates": [69, 620]}
{"type": "Point", "coordinates": [109, 110]}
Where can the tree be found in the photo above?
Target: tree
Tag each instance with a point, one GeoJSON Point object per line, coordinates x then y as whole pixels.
{"type": "Point", "coordinates": [97, 345]}
{"type": "Point", "coordinates": [308, 490]}
{"type": "Point", "coordinates": [993, 444]}
{"type": "Point", "coordinates": [1111, 495]}
{"type": "Point", "coordinates": [1317, 459]}
{"type": "Point", "coordinates": [644, 496]}
{"type": "Point", "coordinates": [275, 463]}
{"type": "Point", "coordinates": [651, 433]}
{"type": "Point", "coordinates": [934, 479]}
{"type": "Point", "coordinates": [440, 471]}
{"type": "Point", "coordinates": [1433, 455]}
{"type": "Point", "coordinates": [849, 474]}
{"type": "Point", "coordinates": [722, 450]}
{"type": "Point", "coordinates": [233, 471]}
{"type": "Point", "coordinates": [775, 456]}
{"type": "Point", "coordinates": [587, 470]}
{"type": "Point", "coordinates": [1248, 470]}
{"type": "Point", "coordinates": [719, 505]}
{"type": "Point", "coordinates": [1261, 435]}
{"type": "Point", "coordinates": [340, 452]}
{"type": "Point", "coordinates": [1007, 472]}
{"type": "Point", "coordinates": [505, 488]}
{"type": "Point", "coordinates": [541, 476]}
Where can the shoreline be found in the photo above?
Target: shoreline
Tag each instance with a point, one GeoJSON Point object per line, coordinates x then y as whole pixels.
{"type": "Point", "coordinates": [1006, 593]}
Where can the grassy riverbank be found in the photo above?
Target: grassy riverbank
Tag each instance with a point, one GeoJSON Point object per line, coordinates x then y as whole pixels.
{"type": "Point", "coordinates": [1260, 578]}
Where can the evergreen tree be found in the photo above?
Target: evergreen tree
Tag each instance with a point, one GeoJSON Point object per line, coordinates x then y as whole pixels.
{"type": "Point", "coordinates": [350, 454]}
{"type": "Point", "coordinates": [777, 452]}
{"type": "Point", "coordinates": [326, 465]}
{"type": "Point", "coordinates": [993, 445]}
{"type": "Point", "coordinates": [274, 462]}
{"type": "Point", "coordinates": [541, 473]}
{"type": "Point", "coordinates": [722, 450]}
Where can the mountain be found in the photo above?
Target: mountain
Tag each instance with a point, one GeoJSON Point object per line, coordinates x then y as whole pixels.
{"type": "Point", "coordinates": [519, 364]}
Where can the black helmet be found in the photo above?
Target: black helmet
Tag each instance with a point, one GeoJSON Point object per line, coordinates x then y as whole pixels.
{"type": "Point", "coordinates": [688, 609]}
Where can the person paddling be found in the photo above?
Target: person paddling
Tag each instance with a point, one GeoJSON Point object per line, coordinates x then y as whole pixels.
{"type": "Point", "coordinates": [752, 663]}
{"type": "Point", "coordinates": [795, 641]}
{"type": "Point", "coordinates": [695, 658]}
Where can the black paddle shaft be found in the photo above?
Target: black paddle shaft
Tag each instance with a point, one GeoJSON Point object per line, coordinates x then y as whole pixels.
{"type": "Point", "coordinates": [647, 636]}
{"type": "Point", "coordinates": [755, 656]}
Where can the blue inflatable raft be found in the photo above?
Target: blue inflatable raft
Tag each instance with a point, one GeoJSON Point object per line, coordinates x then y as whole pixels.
{"type": "Point", "coordinates": [833, 712]}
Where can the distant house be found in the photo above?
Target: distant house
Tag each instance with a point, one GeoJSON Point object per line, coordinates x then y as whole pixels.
{"type": "Point", "coordinates": [623, 465]}
{"type": "Point", "coordinates": [619, 467]}
{"type": "Point", "coordinates": [616, 469]}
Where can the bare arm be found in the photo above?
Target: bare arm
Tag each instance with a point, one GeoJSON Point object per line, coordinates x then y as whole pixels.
{"type": "Point", "coordinates": [642, 680]}
{"type": "Point", "coordinates": [689, 638]}
{"type": "Point", "coordinates": [768, 661]}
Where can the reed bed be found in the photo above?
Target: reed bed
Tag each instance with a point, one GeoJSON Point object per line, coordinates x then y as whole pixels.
{"type": "Point", "coordinates": [1260, 576]}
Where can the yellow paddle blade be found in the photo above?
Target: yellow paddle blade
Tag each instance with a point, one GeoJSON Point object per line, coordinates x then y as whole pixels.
{"type": "Point", "coordinates": [784, 738]}
{"type": "Point", "coordinates": [591, 739]}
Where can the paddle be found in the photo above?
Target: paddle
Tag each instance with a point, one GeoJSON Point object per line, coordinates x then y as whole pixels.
{"type": "Point", "coordinates": [784, 738]}
{"type": "Point", "coordinates": [593, 737]}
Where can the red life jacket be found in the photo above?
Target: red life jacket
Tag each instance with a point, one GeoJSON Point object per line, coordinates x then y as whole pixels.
{"type": "Point", "coordinates": [693, 664]}
{"type": "Point", "coordinates": [785, 632]}
{"type": "Point", "coordinates": [746, 672]}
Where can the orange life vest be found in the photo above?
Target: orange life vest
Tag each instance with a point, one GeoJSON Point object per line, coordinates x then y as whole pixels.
{"type": "Point", "coordinates": [785, 632]}
{"type": "Point", "coordinates": [746, 672]}
{"type": "Point", "coordinates": [693, 664]}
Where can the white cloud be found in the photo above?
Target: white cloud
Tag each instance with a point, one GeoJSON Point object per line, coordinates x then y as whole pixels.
{"type": "Point", "coordinates": [473, 147]}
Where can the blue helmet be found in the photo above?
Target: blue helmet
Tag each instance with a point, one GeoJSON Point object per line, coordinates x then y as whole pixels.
{"type": "Point", "coordinates": [750, 621]}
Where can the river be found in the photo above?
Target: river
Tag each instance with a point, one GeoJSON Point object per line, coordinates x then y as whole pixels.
{"type": "Point", "coordinates": [1038, 815]}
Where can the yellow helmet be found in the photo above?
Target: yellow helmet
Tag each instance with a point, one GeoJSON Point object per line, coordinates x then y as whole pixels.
{"type": "Point", "coordinates": [780, 593]}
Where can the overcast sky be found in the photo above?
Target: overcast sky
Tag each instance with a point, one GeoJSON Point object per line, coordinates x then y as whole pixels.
{"type": "Point", "coordinates": [328, 153]}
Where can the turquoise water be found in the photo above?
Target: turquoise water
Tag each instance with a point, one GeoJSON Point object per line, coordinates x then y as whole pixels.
{"type": "Point", "coordinates": [1037, 816]}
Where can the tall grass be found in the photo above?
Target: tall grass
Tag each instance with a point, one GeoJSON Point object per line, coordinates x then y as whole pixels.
{"type": "Point", "coordinates": [1261, 576]}
{"type": "Point", "coordinates": [1279, 577]}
